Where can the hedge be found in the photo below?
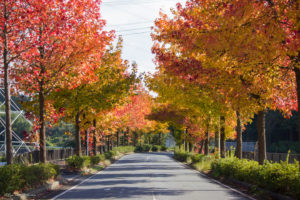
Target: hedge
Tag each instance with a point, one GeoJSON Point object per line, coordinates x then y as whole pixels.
{"type": "Point", "coordinates": [281, 177]}
{"type": "Point", "coordinates": [18, 177]}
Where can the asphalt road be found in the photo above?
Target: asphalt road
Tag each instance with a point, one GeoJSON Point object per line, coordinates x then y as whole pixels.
{"type": "Point", "coordinates": [150, 176]}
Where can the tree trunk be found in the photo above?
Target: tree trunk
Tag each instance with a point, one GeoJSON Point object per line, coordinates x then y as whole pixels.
{"type": "Point", "coordinates": [222, 135]}
{"type": "Point", "coordinates": [217, 140]}
{"type": "Point", "coordinates": [124, 138]}
{"type": "Point", "coordinates": [94, 138]}
{"type": "Point", "coordinates": [43, 150]}
{"type": "Point", "coordinates": [111, 142]}
{"type": "Point", "coordinates": [239, 139]}
{"type": "Point", "coordinates": [159, 138]}
{"type": "Point", "coordinates": [297, 72]}
{"type": "Point", "coordinates": [87, 136]}
{"type": "Point", "coordinates": [77, 135]}
{"type": "Point", "coordinates": [262, 154]}
{"type": "Point", "coordinates": [107, 143]}
{"type": "Point", "coordinates": [206, 149]}
{"type": "Point", "coordinates": [201, 147]}
{"type": "Point", "coordinates": [8, 136]}
{"type": "Point", "coordinates": [118, 138]}
{"type": "Point", "coordinates": [190, 147]}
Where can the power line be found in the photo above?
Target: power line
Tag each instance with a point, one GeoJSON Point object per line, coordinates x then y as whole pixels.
{"type": "Point", "coordinates": [135, 23]}
{"type": "Point", "coordinates": [133, 29]}
{"type": "Point", "coordinates": [137, 33]}
{"type": "Point", "coordinates": [127, 2]}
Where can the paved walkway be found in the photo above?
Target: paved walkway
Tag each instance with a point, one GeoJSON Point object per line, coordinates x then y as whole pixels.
{"type": "Point", "coordinates": [150, 176]}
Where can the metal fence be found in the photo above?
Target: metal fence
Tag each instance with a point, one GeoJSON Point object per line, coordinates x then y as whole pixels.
{"type": "Point", "coordinates": [274, 157]}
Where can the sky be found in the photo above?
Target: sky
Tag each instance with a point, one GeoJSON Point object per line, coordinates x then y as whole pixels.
{"type": "Point", "coordinates": [132, 19]}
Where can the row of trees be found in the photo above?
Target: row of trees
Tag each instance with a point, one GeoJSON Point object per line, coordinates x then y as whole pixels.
{"type": "Point", "coordinates": [58, 56]}
{"type": "Point", "coordinates": [220, 62]}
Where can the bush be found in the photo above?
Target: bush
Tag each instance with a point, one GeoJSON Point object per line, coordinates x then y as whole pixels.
{"type": "Point", "coordinates": [95, 159]}
{"type": "Point", "coordinates": [17, 177]}
{"type": "Point", "coordinates": [197, 158]}
{"type": "Point", "coordinates": [11, 179]}
{"type": "Point", "coordinates": [277, 177]}
{"type": "Point", "coordinates": [146, 148]}
{"type": "Point", "coordinates": [155, 148]}
{"type": "Point", "coordinates": [110, 154]}
{"type": "Point", "coordinates": [38, 174]}
{"type": "Point", "coordinates": [124, 149]}
{"type": "Point", "coordinates": [182, 156]}
{"type": "Point", "coordinates": [78, 162]}
{"type": "Point", "coordinates": [163, 148]}
{"type": "Point", "coordinates": [138, 149]}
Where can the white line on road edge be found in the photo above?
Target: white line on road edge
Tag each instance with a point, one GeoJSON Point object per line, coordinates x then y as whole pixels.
{"type": "Point", "coordinates": [64, 192]}
{"type": "Point", "coordinates": [218, 182]}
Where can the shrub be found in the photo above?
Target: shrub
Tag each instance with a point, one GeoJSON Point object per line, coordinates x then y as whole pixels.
{"type": "Point", "coordinates": [182, 156]}
{"type": "Point", "coordinates": [146, 148]}
{"type": "Point", "coordinates": [197, 158]}
{"type": "Point", "coordinates": [109, 155]}
{"type": "Point", "coordinates": [95, 160]}
{"type": "Point", "coordinates": [10, 177]}
{"type": "Point", "coordinates": [17, 177]}
{"type": "Point", "coordinates": [155, 148]}
{"type": "Point", "coordinates": [78, 162]}
{"type": "Point", "coordinates": [277, 177]}
{"type": "Point", "coordinates": [124, 149]}
{"type": "Point", "coordinates": [138, 149]}
{"type": "Point", "coordinates": [38, 174]}
{"type": "Point", "coordinates": [163, 148]}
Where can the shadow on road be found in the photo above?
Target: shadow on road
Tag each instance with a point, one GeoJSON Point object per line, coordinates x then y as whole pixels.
{"type": "Point", "coordinates": [120, 193]}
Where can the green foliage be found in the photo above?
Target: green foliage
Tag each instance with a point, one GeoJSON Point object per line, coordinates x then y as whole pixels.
{"type": "Point", "coordinates": [2, 159]}
{"type": "Point", "coordinates": [278, 177]}
{"type": "Point", "coordinates": [284, 147]}
{"type": "Point", "coordinates": [78, 162]}
{"type": "Point", "coordinates": [163, 148]}
{"type": "Point", "coordinates": [10, 176]}
{"type": "Point", "coordinates": [155, 148]}
{"type": "Point", "coordinates": [38, 174]}
{"type": "Point", "coordinates": [95, 159]}
{"type": "Point", "coordinates": [124, 149]}
{"type": "Point", "coordinates": [182, 156]}
{"type": "Point", "coordinates": [198, 161]}
{"type": "Point", "coordinates": [17, 177]}
{"type": "Point", "coordinates": [138, 149]}
{"type": "Point", "coordinates": [109, 155]}
{"type": "Point", "coordinates": [146, 148]}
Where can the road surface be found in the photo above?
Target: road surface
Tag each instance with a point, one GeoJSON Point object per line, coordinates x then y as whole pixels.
{"type": "Point", "coordinates": [150, 176]}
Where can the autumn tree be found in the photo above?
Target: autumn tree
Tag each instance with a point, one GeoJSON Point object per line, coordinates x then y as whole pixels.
{"type": "Point", "coordinates": [67, 36]}
{"type": "Point", "coordinates": [214, 40]}
{"type": "Point", "coordinates": [14, 20]}
{"type": "Point", "coordinates": [105, 88]}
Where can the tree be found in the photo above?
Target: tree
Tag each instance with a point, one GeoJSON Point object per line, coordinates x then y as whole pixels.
{"type": "Point", "coordinates": [14, 20]}
{"type": "Point", "coordinates": [218, 36]}
{"type": "Point", "coordinates": [67, 37]}
{"type": "Point", "coordinates": [110, 84]}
